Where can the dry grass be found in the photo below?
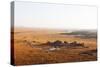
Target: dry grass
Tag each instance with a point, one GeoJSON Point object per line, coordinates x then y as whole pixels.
{"type": "Point", "coordinates": [25, 54]}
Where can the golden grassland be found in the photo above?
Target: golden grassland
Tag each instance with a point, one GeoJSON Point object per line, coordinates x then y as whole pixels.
{"type": "Point", "coordinates": [25, 54]}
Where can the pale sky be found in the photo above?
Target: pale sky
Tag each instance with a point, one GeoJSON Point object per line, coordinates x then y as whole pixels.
{"type": "Point", "coordinates": [57, 16]}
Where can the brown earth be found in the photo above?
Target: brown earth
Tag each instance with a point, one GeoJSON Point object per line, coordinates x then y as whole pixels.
{"type": "Point", "coordinates": [25, 53]}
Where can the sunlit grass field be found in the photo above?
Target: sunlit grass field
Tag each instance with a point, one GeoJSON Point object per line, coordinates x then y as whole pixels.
{"type": "Point", "coordinates": [30, 48]}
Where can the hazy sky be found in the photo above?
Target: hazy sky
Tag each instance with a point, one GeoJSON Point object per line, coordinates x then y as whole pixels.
{"type": "Point", "coordinates": [43, 15]}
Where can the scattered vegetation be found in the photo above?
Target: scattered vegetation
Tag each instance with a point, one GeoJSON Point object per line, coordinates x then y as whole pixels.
{"type": "Point", "coordinates": [44, 48]}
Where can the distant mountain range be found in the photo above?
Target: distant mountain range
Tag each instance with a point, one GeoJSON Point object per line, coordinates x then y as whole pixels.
{"type": "Point", "coordinates": [82, 33]}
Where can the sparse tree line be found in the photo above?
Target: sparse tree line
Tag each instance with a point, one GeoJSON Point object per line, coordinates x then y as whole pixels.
{"type": "Point", "coordinates": [57, 44]}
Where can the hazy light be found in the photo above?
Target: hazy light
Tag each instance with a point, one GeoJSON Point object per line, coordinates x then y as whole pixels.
{"type": "Point", "coordinates": [42, 15]}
